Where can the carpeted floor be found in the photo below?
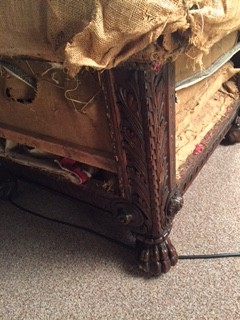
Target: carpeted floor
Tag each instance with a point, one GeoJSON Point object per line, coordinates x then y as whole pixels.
{"type": "Point", "coordinates": [53, 271]}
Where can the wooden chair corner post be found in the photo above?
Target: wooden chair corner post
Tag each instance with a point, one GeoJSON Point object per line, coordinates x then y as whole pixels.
{"type": "Point", "coordinates": [140, 107]}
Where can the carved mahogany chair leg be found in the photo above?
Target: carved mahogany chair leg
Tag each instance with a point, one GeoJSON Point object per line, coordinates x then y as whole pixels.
{"type": "Point", "coordinates": [157, 256]}
{"type": "Point", "coordinates": [140, 108]}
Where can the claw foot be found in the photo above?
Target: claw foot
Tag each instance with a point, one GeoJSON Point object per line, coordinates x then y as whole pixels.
{"type": "Point", "coordinates": [157, 256]}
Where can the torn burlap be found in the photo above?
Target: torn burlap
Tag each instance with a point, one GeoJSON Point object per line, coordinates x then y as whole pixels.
{"type": "Point", "coordinates": [122, 28]}
{"type": "Point", "coordinates": [211, 21]}
{"type": "Point", "coordinates": [41, 29]}
{"type": "Point", "coordinates": [103, 33]}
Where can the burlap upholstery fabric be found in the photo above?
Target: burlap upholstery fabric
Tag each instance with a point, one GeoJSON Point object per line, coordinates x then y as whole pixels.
{"type": "Point", "coordinates": [41, 28]}
{"type": "Point", "coordinates": [103, 33]}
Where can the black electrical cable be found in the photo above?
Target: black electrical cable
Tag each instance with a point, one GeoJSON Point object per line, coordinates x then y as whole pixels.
{"type": "Point", "coordinates": [210, 256]}
{"type": "Point", "coordinates": [70, 225]}
{"type": "Point", "coordinates": [119, 243]}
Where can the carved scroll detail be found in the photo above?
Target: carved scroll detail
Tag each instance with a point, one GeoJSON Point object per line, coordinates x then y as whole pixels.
{"type": "Point", "coordinates": [174, 204]}
{"type": "Point", "coordinates": [138, 114]}
{"type": "Point", "coordinates": [127, 214]}
{"type": "Point", "coordinates": [133, 143]}
{"type": "Point", "coordinates": [142, 123]}
{"type": "Point", "coordinates": [158, 154]}
{"type": "Point", "coordinates": [132, 137]}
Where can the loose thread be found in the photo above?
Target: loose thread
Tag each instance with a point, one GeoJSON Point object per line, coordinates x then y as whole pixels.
{"type": "Point", "coordinates": [86, 103]}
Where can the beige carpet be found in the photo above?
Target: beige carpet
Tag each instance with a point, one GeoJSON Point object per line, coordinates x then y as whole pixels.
{"type": "Point", "coordinates": [51, 271]}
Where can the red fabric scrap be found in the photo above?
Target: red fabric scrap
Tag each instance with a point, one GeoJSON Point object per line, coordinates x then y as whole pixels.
{"type": "Point", "coordinates": [156, 66]}
{"type": "Point", "coordinates": [73, 166]}
{"type": "Point", "coordinates": [198, 148]}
